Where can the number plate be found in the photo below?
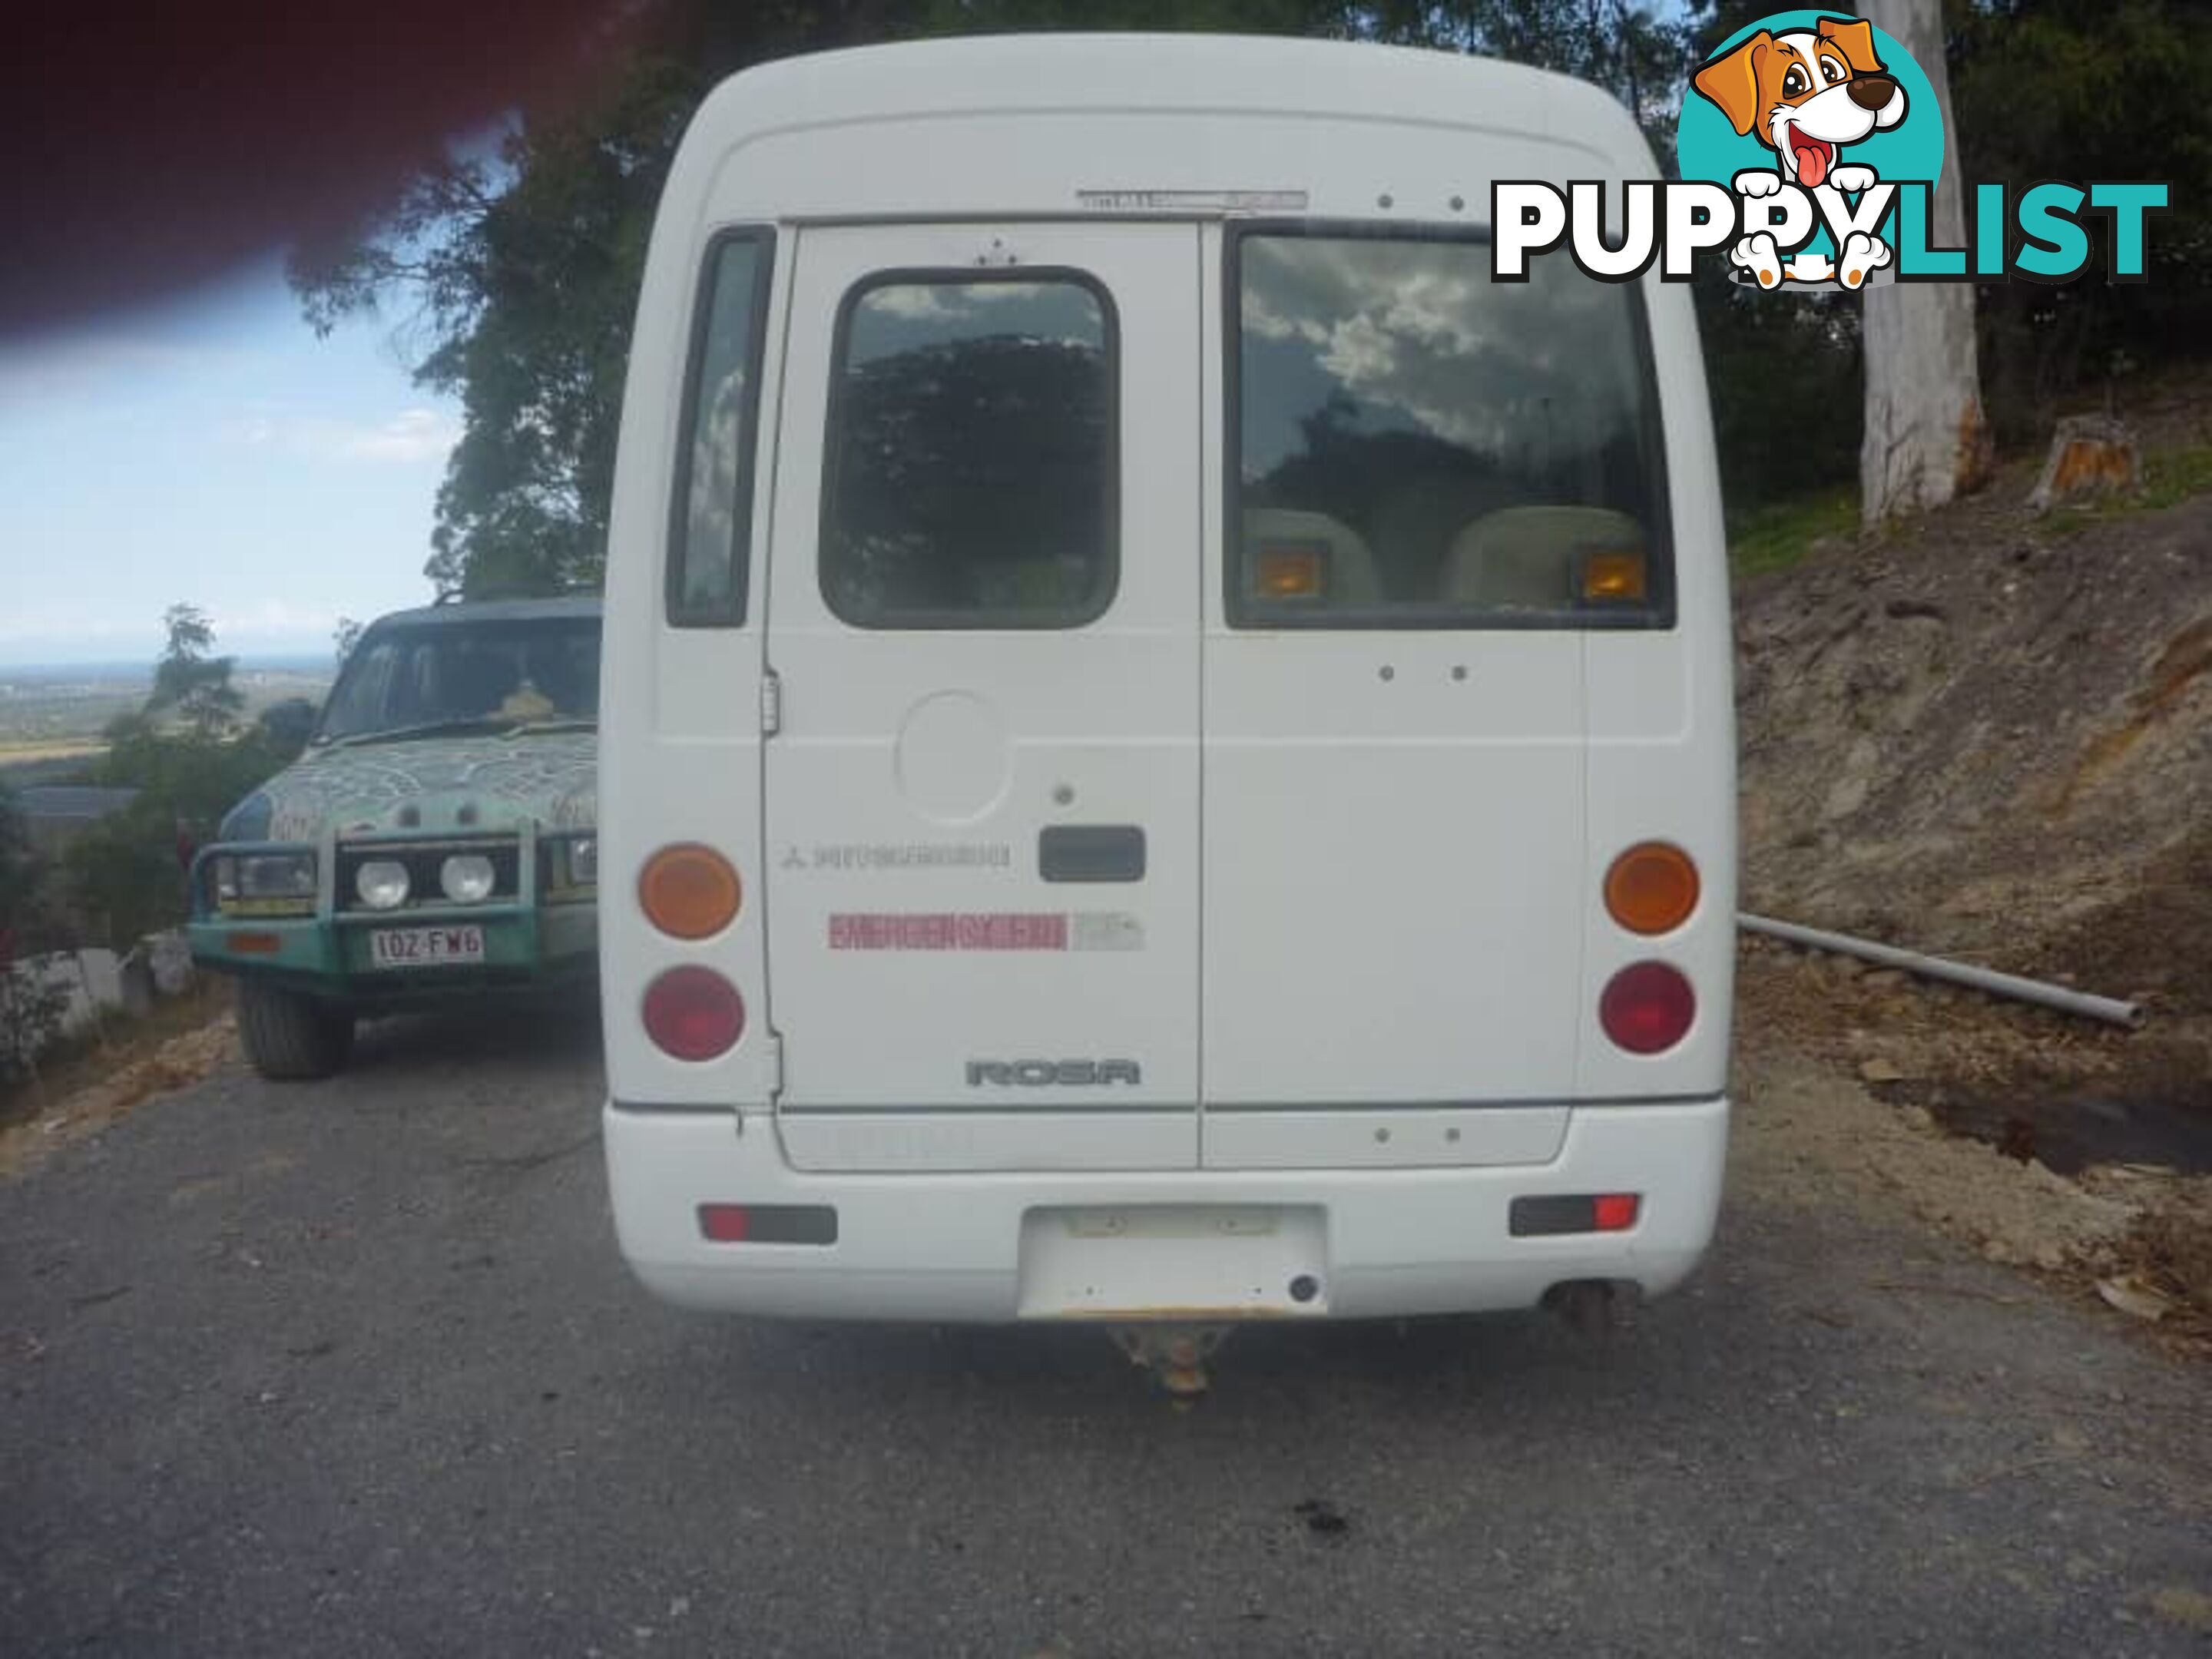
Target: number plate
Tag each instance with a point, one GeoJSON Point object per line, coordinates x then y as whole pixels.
{"type": "Point", "coordinates": [1175, 1262]}
{"type": "Point", "coordinates": [425, 947]}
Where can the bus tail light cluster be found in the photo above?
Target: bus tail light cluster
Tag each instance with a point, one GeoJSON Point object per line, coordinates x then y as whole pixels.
{"type": "Point", "coordinates": [1649, 1006]}
{"type": "Point", "coordinates": [691, 892]}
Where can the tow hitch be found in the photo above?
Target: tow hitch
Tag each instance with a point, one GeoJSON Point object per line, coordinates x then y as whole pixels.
{"type": "Point", "coordinates": [1176, 1354]}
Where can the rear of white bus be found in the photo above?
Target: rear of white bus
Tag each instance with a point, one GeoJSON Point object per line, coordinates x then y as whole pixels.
{"type": "Point", "coordinates": [1161, 767]}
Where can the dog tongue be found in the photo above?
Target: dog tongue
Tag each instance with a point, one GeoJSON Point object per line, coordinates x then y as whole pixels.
{"type": "Point", "coordinates": [1812, 164]}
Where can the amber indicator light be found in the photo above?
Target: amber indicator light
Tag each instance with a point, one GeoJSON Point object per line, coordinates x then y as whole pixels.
{"type": "Point", "coordinates": [1651, 888]}
{"type": "Point", "coordinates": [689, 891]}
{"type": "Point", "coordinates": [1614, 576]}
{"type": "Point", "coordinates": [1290, 571]}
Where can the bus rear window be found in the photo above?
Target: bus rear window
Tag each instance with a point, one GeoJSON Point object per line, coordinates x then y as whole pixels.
{"type": "Point", "coordinates": [712, 534]}
{"type": "Point", "coordinates": [972, 472]}
{"type": "Point", "coordinates": [1419, 447]}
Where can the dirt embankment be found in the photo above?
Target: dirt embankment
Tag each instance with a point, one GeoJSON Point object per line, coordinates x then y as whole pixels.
{"type": "Point", "coordinates": [1991, 737]}
{"type": "Point", "coordinates": [107, 1085]}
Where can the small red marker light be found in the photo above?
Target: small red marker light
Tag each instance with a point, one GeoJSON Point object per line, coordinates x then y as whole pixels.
{"type": "Point", "coordinates": [1615, 1212]}
{"type": "Point", "coordinates": [692, 1013]}
{"type": "Point", "coordinates": [726, 1224]}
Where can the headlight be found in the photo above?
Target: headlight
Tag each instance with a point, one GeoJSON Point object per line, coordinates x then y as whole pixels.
{"type": "Point", "coordinates": [255, 878]}
{"type": "Point", "coordinates": [277, 876]}
{"type": "Point", "coordinates": [584, 862]}
{"type": "Point", "coordinates": [466, 878]}
{"type": "Point", "coordinates": [382, 884]}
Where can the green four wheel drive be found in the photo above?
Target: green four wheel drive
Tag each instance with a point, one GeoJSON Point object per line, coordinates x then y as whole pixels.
{"type": "Point", "coordinates": [434, 841]}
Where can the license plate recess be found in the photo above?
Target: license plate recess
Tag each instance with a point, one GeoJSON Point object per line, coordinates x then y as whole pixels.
{"type": "Point", "coordinates": [1178, 1261]}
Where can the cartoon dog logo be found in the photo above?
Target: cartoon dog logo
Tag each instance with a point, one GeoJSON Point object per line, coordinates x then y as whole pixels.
{"type": "Point", "coordinates": [1805, 93]}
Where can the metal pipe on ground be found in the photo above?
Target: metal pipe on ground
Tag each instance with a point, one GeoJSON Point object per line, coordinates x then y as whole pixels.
{"type": "Point", "coordinates": [2110, 1010]}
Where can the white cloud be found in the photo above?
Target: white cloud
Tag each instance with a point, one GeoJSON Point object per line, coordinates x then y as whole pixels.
{"type": "Point", "coordinates": [272, 619]}
{"type": "Point", "coordinates": [413, 434]}
{"type": "Point", "coordinates": [916, 300]}
{"type": "Point", "coordinates": [411, 437]}
{"type": "Point", "coordinates": [1418, 331]}
{"type": "Point", "coordinates": [19, 626]}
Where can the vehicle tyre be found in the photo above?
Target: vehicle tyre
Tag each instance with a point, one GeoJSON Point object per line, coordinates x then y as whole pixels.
{"type": "Point", "coordinates": [290, 1037]}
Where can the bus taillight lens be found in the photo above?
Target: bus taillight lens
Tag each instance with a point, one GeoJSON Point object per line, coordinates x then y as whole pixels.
{"type": "Point", "coordinates": [1651, 888]}
{"type": "Point", "coordinates": [688, 890]}
{"type": "Point", "coordinates": [1647, 1008]}
{"type": "Point", "coordinates": [694, 1013]}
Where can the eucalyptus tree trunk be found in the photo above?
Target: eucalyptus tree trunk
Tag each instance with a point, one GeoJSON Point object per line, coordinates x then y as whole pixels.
{"type": "Point", "coordinates": [1926, 440]}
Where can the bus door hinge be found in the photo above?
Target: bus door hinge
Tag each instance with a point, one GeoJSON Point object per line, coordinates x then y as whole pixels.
{"type": "Point", "coordinates": [774, 1062]}
{"type": "Point", "coordinates": [771, 703]}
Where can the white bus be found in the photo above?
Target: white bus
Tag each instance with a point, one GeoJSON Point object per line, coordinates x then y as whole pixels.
{"type": "Point", "coordinates": [1167, 745]}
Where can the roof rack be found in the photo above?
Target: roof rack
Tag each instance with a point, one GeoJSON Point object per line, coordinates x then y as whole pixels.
{"type": "Point", "coordinates": [519, 591]}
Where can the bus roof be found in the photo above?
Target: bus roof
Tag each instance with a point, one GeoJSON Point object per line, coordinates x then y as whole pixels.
{"type": "Point", "coordinates": [1235, 124]}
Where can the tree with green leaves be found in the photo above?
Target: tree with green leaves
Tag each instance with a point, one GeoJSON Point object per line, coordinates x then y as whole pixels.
{"type": "Point", "coordinates": [18, 867]}
{"type": "Point", "coordinates": [191, 683]}
{"type": "Point", "coordinates": [511, 271]}
{"type": "Point", "coordinates": [190, 758]}
{"type": "Point", "coordinates": [2085, 90]}
{"type": "Point", "coordinates": [31, 1003]}
{"type": "Point", "coordinates": [514, 270]}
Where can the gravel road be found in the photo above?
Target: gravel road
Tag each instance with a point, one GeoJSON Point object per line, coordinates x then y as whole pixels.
{"type": "Point", "coordinates": [355, 1368]}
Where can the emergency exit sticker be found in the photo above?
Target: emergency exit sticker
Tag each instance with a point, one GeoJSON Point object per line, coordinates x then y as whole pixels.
{"type": "Point", "coordinates": [949, 931]}
{"type": "Point", "coordinates": [1106, 929]}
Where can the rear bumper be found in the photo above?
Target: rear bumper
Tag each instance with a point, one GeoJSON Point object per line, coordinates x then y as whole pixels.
{"type": "Point", "coordinates": [950, 1247]}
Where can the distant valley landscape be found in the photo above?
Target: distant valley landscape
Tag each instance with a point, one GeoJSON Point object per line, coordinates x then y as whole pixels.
{"type": "Point", "coordinates": [52, 715]}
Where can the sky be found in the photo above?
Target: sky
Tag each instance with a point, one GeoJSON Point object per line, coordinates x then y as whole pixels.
{"type": "Point", "coordinates": [211, 451]}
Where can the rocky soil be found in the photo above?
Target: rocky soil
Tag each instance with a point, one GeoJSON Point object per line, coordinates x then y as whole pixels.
{"type": "Point", "coordinates": [1991, 737]}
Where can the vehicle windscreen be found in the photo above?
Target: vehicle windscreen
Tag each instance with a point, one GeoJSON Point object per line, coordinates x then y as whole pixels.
{"type": "Point", "coordinates": [543, 671]}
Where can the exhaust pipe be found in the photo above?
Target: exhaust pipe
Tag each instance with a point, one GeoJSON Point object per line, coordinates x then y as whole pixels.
{"type": "Point", "coordinates": [1591, 1306]}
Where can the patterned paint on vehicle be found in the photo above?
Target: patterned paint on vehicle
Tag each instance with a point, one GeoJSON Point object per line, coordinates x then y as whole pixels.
{"type": "Point", "coordinates": [552, 777]}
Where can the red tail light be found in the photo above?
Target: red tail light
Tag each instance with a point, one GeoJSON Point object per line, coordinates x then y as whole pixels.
{"type": "Point", "coordinates": [694, 1013]}
{"type": "Point", "coordinates": [1647, 1008]}
{"type": "Point", "coordinates": [725, 1224]}
{"type": "Point", "coordinates": [1615, 1212]}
